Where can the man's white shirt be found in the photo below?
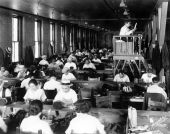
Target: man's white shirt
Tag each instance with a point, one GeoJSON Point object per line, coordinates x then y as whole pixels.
{"type": "Point", "coordinates": [85, 124]}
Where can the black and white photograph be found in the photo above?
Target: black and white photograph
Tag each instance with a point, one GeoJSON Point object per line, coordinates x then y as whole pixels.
{"type": "Point", "coordinates": [84, 67]}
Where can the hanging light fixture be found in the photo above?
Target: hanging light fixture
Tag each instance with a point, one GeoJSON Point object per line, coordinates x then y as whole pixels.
{"type": "Point", "coordinates": [122, 4]}
{"type": "Point", "coordinates": [125, 12]}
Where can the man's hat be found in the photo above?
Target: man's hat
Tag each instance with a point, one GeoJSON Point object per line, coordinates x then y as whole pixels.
{"type": "Point", "coordinates": [65, 82]}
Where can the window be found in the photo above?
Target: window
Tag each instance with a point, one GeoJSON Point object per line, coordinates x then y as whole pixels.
{"type": "Point", "coordinates": [16, 34]}
{"type": "Point", "coordinates": [62, 37]}
{"type": "Point", "coordinates": [37, 47]}
{"type": "Point", "coordinates": [52, 36]}
{"type": "Point", "coordinates": [71, 39]}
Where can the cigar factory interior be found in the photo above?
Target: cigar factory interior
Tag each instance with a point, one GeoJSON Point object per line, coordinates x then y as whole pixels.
{"type": "Point", "coordinates": [84, 67]}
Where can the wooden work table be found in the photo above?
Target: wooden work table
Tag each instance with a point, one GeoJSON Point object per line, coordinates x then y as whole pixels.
{"type": "Point", "coordinates": [114, 120]}
{"type": "Point", "coordinates": [158, 122]}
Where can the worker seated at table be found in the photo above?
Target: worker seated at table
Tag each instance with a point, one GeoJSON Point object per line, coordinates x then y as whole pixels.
{"type": "Point", "coordinates": [44, 61]}
{"type": "Point", "coordinates": [70, 63]}
{"type": "Point", "coordinates": [66, 97]}
{"type": "Point", "coordinates": [52, 84]}
{"type": "Point", "coordinates": [22, 71]}
{"type": "Point", "coordinates": [147, 77]}
{"type": "Point", "coordinates": [25, 82]}
{"type": "Point", "coordinates": [96, 59]}
{"type": "Point", "coordinates": [3, 126]}
{"type": "Point", "coordinates": [33, 123]}
{"type": "Point", "coordinates": [3, 72]}
{"type": "Point", "coordinates": [84, 123]}
{"type": "Point", "coordinates": [121, 77]}
{"type": "Point", "coordinates": [67, 75]}
{"type": "Point", "coordinates": [88, 65]}
{"type": "Point", "coordinates": [155, 88]}
{"type": "Point", "coordinates": [34, 92]}
{"type": "Point", "coordinates": [5, 94]}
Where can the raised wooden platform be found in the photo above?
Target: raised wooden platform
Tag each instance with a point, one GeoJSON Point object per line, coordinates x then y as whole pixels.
{"type": "Point", "coordinates": [137, 60]}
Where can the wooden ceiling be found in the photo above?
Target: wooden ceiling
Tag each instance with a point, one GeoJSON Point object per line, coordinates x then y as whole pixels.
{"type": "Point", "coordinates": [98, 13]}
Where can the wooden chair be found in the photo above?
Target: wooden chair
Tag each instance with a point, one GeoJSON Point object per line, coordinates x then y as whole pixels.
{"type": "Point", "coordinates": [50, 96]}
{"type": "Point", "coordinates": [114, 97]}
{"type": "Point", "coordinates": [154, 101]}
{"type": "Point", "coordinates": [155, 105]}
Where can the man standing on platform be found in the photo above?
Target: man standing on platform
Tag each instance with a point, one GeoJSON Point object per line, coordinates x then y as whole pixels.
{"type": "Point", "coordinates": [125, 30]}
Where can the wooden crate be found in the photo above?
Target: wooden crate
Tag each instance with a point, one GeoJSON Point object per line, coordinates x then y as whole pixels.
{"type": "Point", "coordinates": [124, 48]}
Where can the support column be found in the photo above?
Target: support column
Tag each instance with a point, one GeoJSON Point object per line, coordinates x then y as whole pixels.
{"type": "Point", "coordinates": [162, 19]}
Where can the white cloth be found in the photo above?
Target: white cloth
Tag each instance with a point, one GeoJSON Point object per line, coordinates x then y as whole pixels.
{"type": "Point", "coordinates": [33, 124]}
{"type": "Point", "coordinates": [3, 126]}
{"type": "Point", "coordinates": [69, 76]}
{"type": "Point", "coordinates": [147, 79]}
{"type": "Point", "coordinates": [85, 124]}
{"type": "Point", "coordinates": [24, 83]}
{"type": "Point", "coordinates": [72, 64]}
{"type": "Point", "coordinates": [43, 62]}
{"type": "Point", "coordinates": [156, 89]}
{"type": "Point", "coordinates": [70, 96]}
{"type": "Point", "coordinates": [125, 31]}
{"type": "Point", "coordinates": [96, 60]}
{"type": "Point", "coordinates": [35, 95]}
{"type": "Point", "coordinates": [7, 93]}
{"type": "Point", "coordinates": [52, 85]}
{"type": "Point", "coordinates": [90, 65]}
{"type": "Point", "coordinates": [117, 78]}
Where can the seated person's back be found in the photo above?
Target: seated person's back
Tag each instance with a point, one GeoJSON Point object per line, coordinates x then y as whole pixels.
{"type": "Point", "coordinates": [33, 123]}
{"type": "Point", "coordinates": [89, 124]}
{"type": "Point", "coordinates": [155, 88]}
{"type": "Point", "coordinates": [52, 84]}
